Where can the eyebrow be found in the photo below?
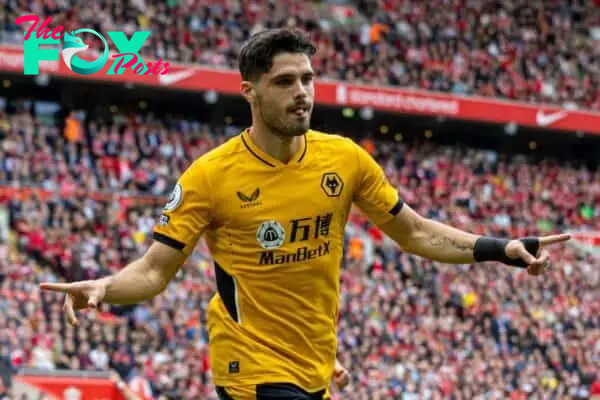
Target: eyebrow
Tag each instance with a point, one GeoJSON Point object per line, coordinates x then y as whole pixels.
{"type": "Point", "coordinates": [291, 75]}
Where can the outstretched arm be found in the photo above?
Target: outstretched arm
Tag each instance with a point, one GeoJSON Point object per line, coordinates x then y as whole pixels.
{"type": "Point", "coordinates": [440, 242]}
{"type": "Point", "coordinates": [144, 278]}
{"type": "Point", "coordinates": [377, 198]}
{"type": "Point", "coordinates": [184, 219]}
{"type": "Point", "coordinates": [430, 239]}
{"type": "Point", "coordinates": [139, 281]}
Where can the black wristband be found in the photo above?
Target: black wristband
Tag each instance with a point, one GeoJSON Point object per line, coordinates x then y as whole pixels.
{"type": "Point", "coordinates": [494, 249]}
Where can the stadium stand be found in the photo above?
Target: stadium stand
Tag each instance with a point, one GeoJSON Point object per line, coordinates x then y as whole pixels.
{"type": "Point", "coordinates": [535, 51]}
{"type": "Point", "coordinates": [80, 194]}
{"type": "Point", "coordinates": [406, 326]}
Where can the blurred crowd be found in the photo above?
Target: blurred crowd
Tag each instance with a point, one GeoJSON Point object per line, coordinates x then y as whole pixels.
{"type": "Point", "coordinates": [408, 328]}
{"type": "Point", "coordinates": [130, 156]}
{"type": "Point", "coordinates": [529, 50]}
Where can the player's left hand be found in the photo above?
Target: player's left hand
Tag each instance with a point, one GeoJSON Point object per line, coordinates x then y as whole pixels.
{"type": "Point", "coordinates": [537, 263]}
{"type": "Point", "coordinates": [341, 376]}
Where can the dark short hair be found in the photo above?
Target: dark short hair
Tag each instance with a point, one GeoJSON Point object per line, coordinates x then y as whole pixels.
{"type": "Point", "coordinates": [256, 55]}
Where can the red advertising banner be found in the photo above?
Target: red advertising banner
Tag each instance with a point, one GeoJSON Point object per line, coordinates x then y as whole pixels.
{"type": "Point", "coordinates": [65, 388]}
{"type": "Point", "coordinates": [399, 100]}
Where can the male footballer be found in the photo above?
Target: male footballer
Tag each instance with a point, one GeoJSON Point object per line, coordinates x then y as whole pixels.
{"type": "Point", "coordinates": [272, 204]}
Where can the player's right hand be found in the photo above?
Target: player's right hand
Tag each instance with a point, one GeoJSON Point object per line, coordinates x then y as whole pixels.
{"type": "Point", "coordinates": [79, 296]}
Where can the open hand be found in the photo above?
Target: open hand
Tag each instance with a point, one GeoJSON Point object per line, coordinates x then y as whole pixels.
{"type": "Point", "coordinates": [540, 262]}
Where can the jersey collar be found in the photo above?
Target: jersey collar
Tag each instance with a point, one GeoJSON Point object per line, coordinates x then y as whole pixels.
{"type": "Point", "coordinates": [267, 159]}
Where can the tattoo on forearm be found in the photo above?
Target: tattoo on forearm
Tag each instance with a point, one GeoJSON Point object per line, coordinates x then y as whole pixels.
{"type": "Point", "coordinates": [445, 242]}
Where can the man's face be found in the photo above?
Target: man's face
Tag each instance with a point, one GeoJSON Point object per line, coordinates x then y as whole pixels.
{"type": "Point", "coordinates": [284, 96]}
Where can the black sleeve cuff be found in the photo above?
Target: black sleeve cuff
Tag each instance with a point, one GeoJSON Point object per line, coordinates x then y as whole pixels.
{"type": "Point", "coordinates": [396, 209]}
{"type": "Point", "coordinates": [164, 239]}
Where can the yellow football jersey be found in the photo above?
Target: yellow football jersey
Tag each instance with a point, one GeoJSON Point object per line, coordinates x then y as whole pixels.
{"type": "Point", "coordinates": [276, 232]}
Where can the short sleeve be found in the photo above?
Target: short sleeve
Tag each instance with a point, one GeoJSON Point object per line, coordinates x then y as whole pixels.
{"type": "Point", "coordinates": [374, 194]}
{"type": "Point", "coordinates": [187, 213]}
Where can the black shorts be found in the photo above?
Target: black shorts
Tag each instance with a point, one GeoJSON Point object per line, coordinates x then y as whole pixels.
{"type": "Point", "coordinates": [277, 391]}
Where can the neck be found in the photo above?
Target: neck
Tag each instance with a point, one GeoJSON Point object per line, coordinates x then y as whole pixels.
{"type": "Point", "coordinates": [281, 148]}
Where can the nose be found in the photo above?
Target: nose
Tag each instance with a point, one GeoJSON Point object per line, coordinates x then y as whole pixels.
{"type": "Point", "coordinates": [300, 91]}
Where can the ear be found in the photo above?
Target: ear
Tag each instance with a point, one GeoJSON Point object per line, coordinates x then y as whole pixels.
{"type": "Point", "coordinates": [248, 91]}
